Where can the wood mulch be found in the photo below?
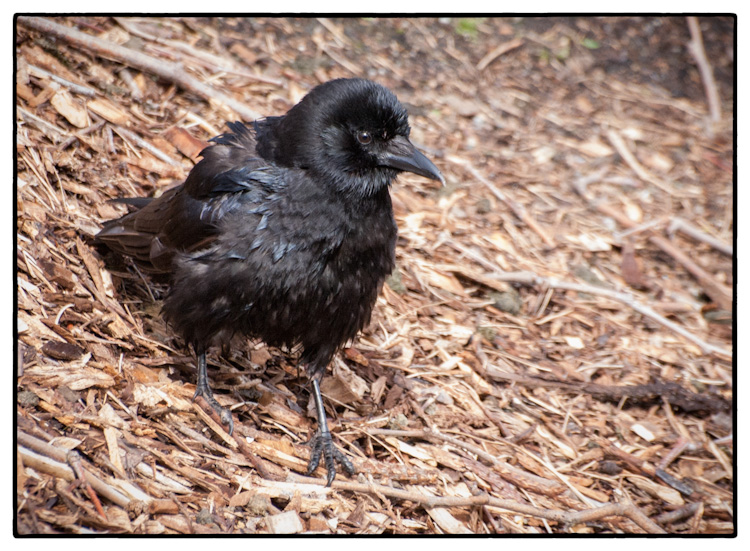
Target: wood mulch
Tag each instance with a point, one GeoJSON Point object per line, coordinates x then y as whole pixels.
{"type": "Point", "coordinates": [554, 353]}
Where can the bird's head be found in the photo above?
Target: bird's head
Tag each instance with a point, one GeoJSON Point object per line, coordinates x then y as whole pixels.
{"type": "Point", "coordinates": [354, 134]}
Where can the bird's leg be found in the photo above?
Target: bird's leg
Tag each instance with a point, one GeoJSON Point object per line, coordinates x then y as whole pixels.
{"type": "Point", "coordinates": [204, 390]}
{"type": "Point", "coordinates": [322, 442]}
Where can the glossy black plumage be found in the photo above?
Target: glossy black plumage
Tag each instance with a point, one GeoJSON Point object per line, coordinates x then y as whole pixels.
{"type": "Point", "coordinates": [283, 231]}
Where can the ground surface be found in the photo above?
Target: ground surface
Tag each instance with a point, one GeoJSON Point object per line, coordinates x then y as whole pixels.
{"type": "Point", "coordinates": [554, 353]}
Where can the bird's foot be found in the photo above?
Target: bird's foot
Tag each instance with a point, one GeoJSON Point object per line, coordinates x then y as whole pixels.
{"type": "Point", "coordinates": [322, 443]}
{"type": "Point", "coordinates": [225, 416]}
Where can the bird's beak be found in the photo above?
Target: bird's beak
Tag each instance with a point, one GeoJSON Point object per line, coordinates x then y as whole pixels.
{"type": "Point", "coordinates": [402, 155]}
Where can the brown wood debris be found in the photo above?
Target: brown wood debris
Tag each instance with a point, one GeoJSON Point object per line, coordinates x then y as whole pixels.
{"type": "Point", "coordinates": [554, 353]}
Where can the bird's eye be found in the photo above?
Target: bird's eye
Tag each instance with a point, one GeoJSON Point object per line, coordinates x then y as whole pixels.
{"type": "Point", "coordinates": [364, 137]}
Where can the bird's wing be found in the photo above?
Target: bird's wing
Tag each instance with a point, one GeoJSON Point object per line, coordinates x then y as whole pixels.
{"type": "Point", "coordinates": [186, 218]}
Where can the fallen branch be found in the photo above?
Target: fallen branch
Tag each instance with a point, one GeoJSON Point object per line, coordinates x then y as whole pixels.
{"type": "Point", "coordinates": [200, 57]}
{"type": "Point", "coordinates": [678, 224]}
{"type": "Point", "coordinates": [567, 518]}
{"type": "Point", "coordinates": [128, 135]}
{"type": "Point", "coordinates": [678, 396]}
{"type": "Point", "coordinates": [531, 279]}
{"type": "Point", "coordinates": [174, 72]}
{"type": "Point", "coordinates": [72, 86]}
{"type": "Point", "coordinates": [516, 207]}
{"type": "Point", "coordinates": [695, 47]}
{"type": "Point", "coordinates": [516, 476]}
{"type": "Point", "coordinates": [52, 460]}
{"type": "Point", "coordinates": [503, 48]}
{"type": "Point", "coordinates": [622, 149]}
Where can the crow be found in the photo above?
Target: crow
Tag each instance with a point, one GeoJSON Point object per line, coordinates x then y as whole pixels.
{"type": "Point", "coordinates": [283, 232]}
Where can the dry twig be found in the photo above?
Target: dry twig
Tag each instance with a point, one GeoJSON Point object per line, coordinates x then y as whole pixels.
{"type": "Point", "coordinates": [704, 66]}
{"type": "Point", "coordinates": [563, 517]}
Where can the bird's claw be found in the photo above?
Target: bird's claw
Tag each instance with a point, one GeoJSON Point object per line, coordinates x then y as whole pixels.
{"type": "Point", "coordinates": [323, 444]}
{"type": "Point", "coordinates": [225, 416]}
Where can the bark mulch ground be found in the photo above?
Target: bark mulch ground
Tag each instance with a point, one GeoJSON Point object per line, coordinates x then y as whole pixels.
{"type": "Point", "coordinates": [554, 353]}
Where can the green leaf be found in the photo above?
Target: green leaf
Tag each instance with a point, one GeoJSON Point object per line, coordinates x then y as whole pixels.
{"type": "Point", "coordinates": [467, 26]}
{"type": "Point", "coordinates": [590, 43]}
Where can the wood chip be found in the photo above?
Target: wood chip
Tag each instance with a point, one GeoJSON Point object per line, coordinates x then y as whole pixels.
{"type": "Point", "coordinates": [72, 376]}
{"type": "Point", "coordinates": [108, 111]}
{"type": "Point", "coordinates": [74, 112]}
{"type": "Point", "coordinates": [285, 523]}
{"type": "Point", "coordinates": [660, 491]}
{"type": "Point", "coordinates": [184, 142]}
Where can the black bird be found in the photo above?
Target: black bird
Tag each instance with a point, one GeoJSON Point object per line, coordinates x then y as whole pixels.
{"type": "Point", "coordinates": [283, 232]}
